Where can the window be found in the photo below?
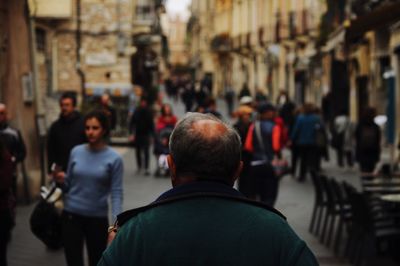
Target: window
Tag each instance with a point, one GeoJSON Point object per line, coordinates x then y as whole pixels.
{"type": "Point", "coordinates": [40, 40]}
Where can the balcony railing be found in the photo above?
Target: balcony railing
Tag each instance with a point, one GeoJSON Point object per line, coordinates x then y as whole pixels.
{"type": "Point", "coordinates": [292, 25]}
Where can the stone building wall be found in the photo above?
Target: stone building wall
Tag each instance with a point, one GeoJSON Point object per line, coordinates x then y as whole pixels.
{"type": "Point", "coordinates": [105, 37]}
{"type": "Point", "coordinates": [68, 78]}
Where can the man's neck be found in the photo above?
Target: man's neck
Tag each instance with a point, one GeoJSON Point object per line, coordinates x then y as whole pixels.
{"type": "Point", "coordinates": [187, 180]}
{"type": "Point", "coordinates": [68, 116]}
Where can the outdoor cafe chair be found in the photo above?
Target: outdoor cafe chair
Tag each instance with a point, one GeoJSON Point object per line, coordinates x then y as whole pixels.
{"type": "Point", "coordinates": [371, 236]}
{"type": "Point", "coordinates": [331, 212]}
{"type": "Point", "coordinates": [320, 204]}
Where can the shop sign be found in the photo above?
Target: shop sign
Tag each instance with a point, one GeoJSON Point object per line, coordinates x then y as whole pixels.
{"type": "Point", "coordinates": [101, 59]}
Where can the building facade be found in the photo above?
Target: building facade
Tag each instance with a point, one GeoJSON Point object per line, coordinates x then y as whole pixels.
{"type": "Point", "coordinates": [176, 34]}
{"type": "Point", "coordinates": [83, 46]}
{"type": "Point", "coordinates": [264, 44]}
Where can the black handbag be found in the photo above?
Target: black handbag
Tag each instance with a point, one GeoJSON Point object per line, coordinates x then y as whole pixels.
{"type": "Point", "coordinates": [45, 221]}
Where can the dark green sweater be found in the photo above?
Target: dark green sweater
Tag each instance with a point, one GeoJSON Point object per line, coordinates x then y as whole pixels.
{"type": "Point", "coordinates": [207, 231]}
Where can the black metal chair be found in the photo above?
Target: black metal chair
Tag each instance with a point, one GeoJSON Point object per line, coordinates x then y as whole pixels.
{"type": "Point", "coordinates": [345, 216]}
{"type": "Point", "coordinates": [332, 210]}
{"type": "Point", "coordinates": [320, 204]}
{"type": "Point", "coordinates": [370, 229]}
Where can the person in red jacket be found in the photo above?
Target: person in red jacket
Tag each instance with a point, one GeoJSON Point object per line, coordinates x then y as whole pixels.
{"type": "Point", "coordinates": [164, 126]}
{"type": "Point", "coordinates": [166, 119]}
{"type": "Point", "coordinates": [263, 141]}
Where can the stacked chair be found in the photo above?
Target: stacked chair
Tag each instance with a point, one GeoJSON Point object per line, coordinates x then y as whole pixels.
{"type": "Point", "coordinates": [356, 225]}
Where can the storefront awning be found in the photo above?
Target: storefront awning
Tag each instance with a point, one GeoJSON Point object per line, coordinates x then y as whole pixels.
{"type": "Point", "coordinates": [114, 89]}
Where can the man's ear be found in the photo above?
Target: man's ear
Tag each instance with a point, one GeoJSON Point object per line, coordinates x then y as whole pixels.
{"type": "Point", "coordinates": [172, 169]}
{"type": "Point", "coordinates": [237, 172]}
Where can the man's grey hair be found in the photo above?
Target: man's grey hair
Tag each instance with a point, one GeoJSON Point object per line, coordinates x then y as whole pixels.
{"type": "Point", "coordinates": [204, 157]}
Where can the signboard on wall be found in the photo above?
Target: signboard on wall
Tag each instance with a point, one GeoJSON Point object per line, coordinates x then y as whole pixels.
{"type": "Point", "coordinates": [101, 59]}
{"type": "Point", "coordinates": [27, 88]}
{"type": "Point", "coordinates": [61, 9]}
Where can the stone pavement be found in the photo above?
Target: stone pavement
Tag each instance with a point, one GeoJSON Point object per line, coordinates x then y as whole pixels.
{"type": "Point", "coordinates": [295, 201]}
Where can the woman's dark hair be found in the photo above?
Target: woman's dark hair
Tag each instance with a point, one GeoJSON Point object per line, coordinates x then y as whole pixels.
{"type": "Point", "coordinates": [369, 114]}
{"type": "Point", "coordinates": [103, 119]}
{"type": "Point", "coordinates": [163, 111]}
{"type": "Point", "coordinates": [308, 108]}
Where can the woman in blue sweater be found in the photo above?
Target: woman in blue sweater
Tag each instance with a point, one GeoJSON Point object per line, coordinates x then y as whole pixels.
{"type": "Point", "coordinates": [94, 173]}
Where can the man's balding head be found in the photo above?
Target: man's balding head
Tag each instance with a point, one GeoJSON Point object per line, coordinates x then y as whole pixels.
{"type": "Point", "coordinates": [203, 147]}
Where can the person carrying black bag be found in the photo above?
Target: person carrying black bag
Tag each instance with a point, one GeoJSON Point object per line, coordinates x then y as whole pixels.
{"type": "Point", "coordinates": [45, 220]}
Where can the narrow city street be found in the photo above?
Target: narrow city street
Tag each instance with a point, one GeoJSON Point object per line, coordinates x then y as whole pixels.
{"type": "Point", "coordinates": [313, 78]}
{"type": "Point", "coordinates": [295, 201]}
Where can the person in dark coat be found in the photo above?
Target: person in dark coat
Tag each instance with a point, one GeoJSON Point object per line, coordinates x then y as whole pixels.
{"type": "Point", "coordinates": [7, 201]}
{"type": "Point", "coordinates": [188, 96]}
{"type": "Point", "coordinates": [203, 220]}
{"type": "Point", "coordinates": [105, 104]}
{"type": "Point", "coordinates": [286, 109]}
{"type": "Point", "coordinates": [264, 142]}
{"type": "Point", "coordinates": [242, 126]}
{"type": "Point", "coordinates": [368, 141]}
{"type": "Point", "coordinates": [13, 141]}
{"type": "Point", "coordinates": [211, 107]}
{"type": "Point", "coordinates": [229, 98]}
{"type": "Point", "coordinates": [201, 95]}
{"type": "Point", "coordinates": [304, 136]}
{"type": "Point", "coordinates": [244, 91]}
{"type": "Point", "coordinates": [65, 133]}
{"type": "Point", "coordinates": [142, 129]}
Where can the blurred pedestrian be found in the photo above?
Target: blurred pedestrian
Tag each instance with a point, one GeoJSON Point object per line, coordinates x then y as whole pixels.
{"type": "Point", "coordinates": [211, 108]}
{"type": "Point", "coordinates": [201, 95]}
{"type": "Point", "coordinates": [304, 136]}
{"type": "Point", "coordinates": [344, 132]}
{"type": "Point", "coordinates": [65, 133]}
{"type": "Point", "coordinates": [87, 189]}
{"type": "Point", "coordinates": [7, 201]}
{"type": "Point", "coordinates": [207, 84]}
{"type": "Point", "coordinates": [368, 141]}
{"type": "Point", "coordinates": [327, 109]}
{"type": "Point", "coordinates": [108, 109]}
{"type": "Point", "coordinates": [142, 129]}
{"type": "Point", "coordinates": [203, 220]}
{"type": "Point", "coordinates": [168, 86]}
{"type": "Point", "coordinates": [13, 142]}
{"type": "Point", "coordinates": [229, 99]}
{"type": "Point", "coordinates": [286, 109]}
{"type": "Point", "coordinates": [166, 118]}
{"type": "Point", "coordinates": [164, 126]}
{"type": "Point", "coordinates": [242, 125]}
{"type": "Point", "coordinates": [321, 141]}
{"type": "Point", "coordinates": [294, 149]}
{"type": "Point", "coordinates": [188, 96]}
{"type": "Point", "coordinates": [260, 96]}
{"type": "Point", "coordinates": [263, 141]}
{"type": "Point", "coordinates": [244, 91]}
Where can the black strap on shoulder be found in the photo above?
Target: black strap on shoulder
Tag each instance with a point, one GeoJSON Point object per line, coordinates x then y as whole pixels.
{"type": "Point", "coordinates": [123, 217]}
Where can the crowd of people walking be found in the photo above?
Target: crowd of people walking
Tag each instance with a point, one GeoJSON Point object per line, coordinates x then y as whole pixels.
{"type": "Point", "coordinates": [266, 128]}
